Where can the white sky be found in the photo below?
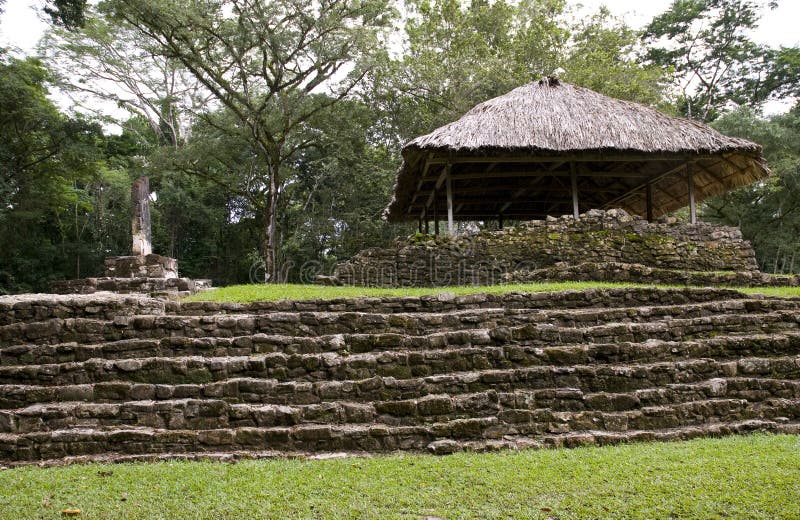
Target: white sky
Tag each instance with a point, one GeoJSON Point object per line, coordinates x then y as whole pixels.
{"type": "Point", "coordinates": [21, 27]}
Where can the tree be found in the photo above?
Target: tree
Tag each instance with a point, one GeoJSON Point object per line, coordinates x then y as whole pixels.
{"type": "Point", "coordinates": [606, 55]}
{"type": "Point", "coordinates": [457, 55]}
{"type": "Point", "coordinates": [335, 202]}
{"type": "Point", "coordinates": [106, 66]}
{"type": "Point", "coordinates": [460, 54]}
{"type": "Point", "coordinates": [768, 212]}
{"type": "Point", "coordinates": [70, 14]}
{"type": "Point", "coordinates": [50, 167]}
{"type": "Point", "coordinates": [717, 64]}
{"type": "Point", "coordinates": [265, 62]}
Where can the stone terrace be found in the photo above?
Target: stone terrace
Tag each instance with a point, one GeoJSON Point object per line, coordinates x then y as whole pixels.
{"type": "Point", "coordinates": [123, 377]}
{"type": "Point", "coordinates": [599, 245]}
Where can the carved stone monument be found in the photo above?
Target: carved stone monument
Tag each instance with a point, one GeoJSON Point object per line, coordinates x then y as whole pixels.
{"type": "Point", "coordinates": [143, 271]}
{"type": "Point", "coordinates": [140, 217]}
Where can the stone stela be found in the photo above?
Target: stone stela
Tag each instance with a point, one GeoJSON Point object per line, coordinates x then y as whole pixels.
{"type": "Point", "coordinates": [140, 217]}
{"type": "Point", "coordinates": [142, 271]}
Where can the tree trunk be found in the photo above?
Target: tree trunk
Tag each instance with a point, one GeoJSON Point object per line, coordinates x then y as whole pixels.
{"type": "Point", "coordinates": [269, 242]}
{"type": "Point", "coordinates": [777, 256]}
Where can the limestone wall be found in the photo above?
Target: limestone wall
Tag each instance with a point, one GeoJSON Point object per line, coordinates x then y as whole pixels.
{"type": "Point", "coordinates": [596, 237]}
{"type": "Point", "coordinates": [114, 377]}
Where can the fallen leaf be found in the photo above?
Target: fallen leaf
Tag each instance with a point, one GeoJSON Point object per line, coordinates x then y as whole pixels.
{"type": "Point", "coordinates": [70, 512]}
{"type": "Point", "coordinates": [105, 473]}
{"type": "Point", "coordinates": [46, 502]}
{"type": "Point", "coordinates": [547, 509]}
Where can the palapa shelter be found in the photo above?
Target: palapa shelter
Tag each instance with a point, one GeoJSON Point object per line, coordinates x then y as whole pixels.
{"type": "Point", "coordinates": [552, 148]}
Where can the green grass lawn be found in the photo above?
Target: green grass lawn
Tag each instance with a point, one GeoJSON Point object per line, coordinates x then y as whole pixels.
{"type": "Point", "coordinates": [734, 477]}
{"type": "Point", "coordinates": [270, 292]}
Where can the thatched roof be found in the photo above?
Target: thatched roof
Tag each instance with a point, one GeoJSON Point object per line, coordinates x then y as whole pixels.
{"type": "Point", "coordinates": [509, 156]}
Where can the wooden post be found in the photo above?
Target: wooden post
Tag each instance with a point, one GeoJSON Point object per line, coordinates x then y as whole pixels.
{"type": "Point", "coordinates": [574, 176]}
{"type": "Point", "coordinates": [427, 224]}
{"type": "Point", "coordinates": [692, 207]}
{"type": "Point", "coordinates": [500, 221]}
{"type": "Point", "coordinates": [649, 201]}
{"type": "Point", "coordinates": [419, 225]}
{"type": "Point", "coordinates": [451, 228]}
{"type": "Point", "coordinates": [435, 212]}
{"type": "Point", "coordinates": [140, 217]}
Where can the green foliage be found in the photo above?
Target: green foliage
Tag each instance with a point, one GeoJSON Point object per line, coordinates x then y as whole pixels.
{"type": "Point", "coordinates": [265, 62]}
{"type": "Point", "coordinates": [52, 178]}
{"type": "Point", "coordinates": [107, 66]}
{"type": "Point", "coordinates": [458, 54]}
{"type": "Point", "coordinates": [734, 477]}
{"type": "Point", "coordinates": [339, 189]}
{"type": "Point", "coordinates": [605, 56]}
{"type": "Point", "coordinates": [67, 13]}
{"type": "Point", "coordinates": [768, 212]}
{"type": "Point", "coordinates": [717, 63]}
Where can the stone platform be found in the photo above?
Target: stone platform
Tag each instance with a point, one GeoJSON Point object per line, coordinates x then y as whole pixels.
{"type": "Point", "coordinates": [141, 266]}
{"type": "Point", "coordinates": [550, 249]}
{"type": "Point", "coordinates": [147, 274]}
{"type": "Point", "coordinates": [123, 377]}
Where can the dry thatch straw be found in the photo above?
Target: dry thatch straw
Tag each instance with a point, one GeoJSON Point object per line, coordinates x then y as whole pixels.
{"type": "Point", "coordinates": [542, 129]}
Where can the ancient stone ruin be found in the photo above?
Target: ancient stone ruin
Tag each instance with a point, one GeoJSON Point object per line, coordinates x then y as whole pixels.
{"type": "Point", "coordinates": [125, 377]}
{"type": "Point", "coordinates": [598, 245]}
{"type": "Point", "coordinates": [143, 271]}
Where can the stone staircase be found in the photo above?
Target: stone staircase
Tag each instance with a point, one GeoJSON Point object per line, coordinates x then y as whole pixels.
{"type": "Point", "coordinates": [127, 377]}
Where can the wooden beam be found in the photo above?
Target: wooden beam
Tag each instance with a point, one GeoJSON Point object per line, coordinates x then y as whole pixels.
{"type": "Point", "coordinates": [690, 179]}
{"type": "Point", "coordinates": [574, 189]}
{"type": "Point", "coordinates": [451, 229]}
{"type": "Point", "coordinates": [422, 176]}
{"type": "Point", "coordinates": [643, 185]}
{"type": "Point", "coordinates": [649, 201]}
{"type": "Point", "coordinates": [435, 214]}
{"type": "Point", "coordinates": [503, 188]}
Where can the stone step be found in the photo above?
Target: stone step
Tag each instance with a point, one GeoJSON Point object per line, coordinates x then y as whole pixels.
{"type": "Point", "coordinates": [601, 438]}
{"type": "Point", "coordinates": [26, 308]}
{"type": "Point", "coordinates": [600, 298]}
{"type": "Point", "coordinates": [38, 353]}
{"type": "Point", "coordinates": [254, 379]}
{"type": "Point", "coordinates": [39, 307]}
{"type": "Point", "coordinates": [83, 330]}
{"type": "Point", "coordinates": [226, 453]}
{"type": "Point", "coordinates": [539, 334]}
{"type": "Point", "coordinates": [595, 316]}
{"type": "Point", "coordinates": [37, 446]}
{"type": "Point", "coordinates": [86, 330]}
{"type": "Point", "coordinates": [219, 413]}
{"type": "Point", "coordinates": [734, 344]}
{"type": "Point", "coordinates": [481, 354]}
